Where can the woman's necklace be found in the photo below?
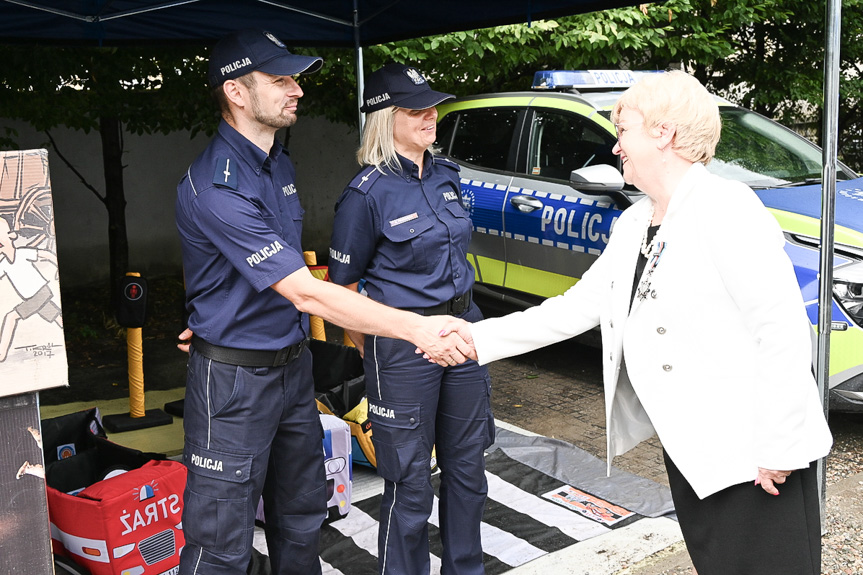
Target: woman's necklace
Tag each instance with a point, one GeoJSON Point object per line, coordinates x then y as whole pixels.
{"type": "Point", "coordinates": [652, 251]}
{"type": "Point", "coordinates": [645, 247]}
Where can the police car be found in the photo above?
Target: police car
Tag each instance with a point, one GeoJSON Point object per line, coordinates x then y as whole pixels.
{"type": "Point", "coordinates": [534, 234]}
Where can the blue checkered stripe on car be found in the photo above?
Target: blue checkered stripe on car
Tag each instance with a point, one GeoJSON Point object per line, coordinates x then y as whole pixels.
{"type": "Point", "coordinates": [567, 222]}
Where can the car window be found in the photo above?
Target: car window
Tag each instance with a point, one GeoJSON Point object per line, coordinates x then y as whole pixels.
{"type": "Point", "coordinates": [562, 141]}
{"type": "Point", "coordinates": [763, 153]}
{"type": "Point", "coordinates": [481, 137]}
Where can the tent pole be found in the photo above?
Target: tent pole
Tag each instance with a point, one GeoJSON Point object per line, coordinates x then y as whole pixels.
{"type": "Point", "coordinates": [359, 68]}
{"type": "Point", "coordinates": [830, 126]}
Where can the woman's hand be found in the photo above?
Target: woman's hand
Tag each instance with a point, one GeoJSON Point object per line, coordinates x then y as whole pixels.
{"type": "Point", "coordinates": [440, 344]}
{"type": "Point", "coordinates": [769, 478]}
{"type": "Point", "coordinates": [462, 328]}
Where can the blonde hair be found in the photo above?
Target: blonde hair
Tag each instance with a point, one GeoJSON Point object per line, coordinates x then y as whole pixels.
{"type": "Point", "coordinates": [378, 147]}
{"type": "Point", "coordinates": [677, 98]}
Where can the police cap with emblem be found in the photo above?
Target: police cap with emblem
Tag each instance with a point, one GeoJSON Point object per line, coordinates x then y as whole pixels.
{"type": "Point", "coordinates": [249, 50]}
{"type": "Point", "coordinates": [399, 85]}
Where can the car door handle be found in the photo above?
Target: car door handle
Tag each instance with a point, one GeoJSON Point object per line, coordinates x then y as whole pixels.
{"type": "Point", "coordinates": [526, 204]}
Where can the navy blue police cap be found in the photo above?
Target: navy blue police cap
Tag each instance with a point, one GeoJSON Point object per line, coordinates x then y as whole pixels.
{"type": "Point", "coordinates": [249, 50]}
{"type": "Point", "coordinates": [399, 85]}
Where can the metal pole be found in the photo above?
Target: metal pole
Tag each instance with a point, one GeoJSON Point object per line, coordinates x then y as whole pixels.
{"type": "Point", "coordinates": [830, 127]}
{"type": "Point", "coordinates": [359, 69]}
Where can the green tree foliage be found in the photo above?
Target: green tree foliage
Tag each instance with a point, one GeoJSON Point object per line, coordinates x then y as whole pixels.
{"type": "Point", "coordinates": [651, 36]}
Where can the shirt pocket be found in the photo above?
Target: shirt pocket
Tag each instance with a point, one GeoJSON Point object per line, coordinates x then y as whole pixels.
{"type": "Point", "coordinates": [411, 245]}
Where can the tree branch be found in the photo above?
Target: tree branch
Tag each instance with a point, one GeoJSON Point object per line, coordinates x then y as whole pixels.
{"type": "Point", "coordinates": [74, 170]}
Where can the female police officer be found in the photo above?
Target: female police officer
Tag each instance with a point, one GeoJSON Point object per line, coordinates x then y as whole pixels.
{"type": "Point", "coordinates": [400, 228]}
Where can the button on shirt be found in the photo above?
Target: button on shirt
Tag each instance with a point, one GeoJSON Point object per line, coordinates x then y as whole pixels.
{"type": "Point", "coordinates": [407, 237]}
{"type": "Point", "coordinates": [240, 224]}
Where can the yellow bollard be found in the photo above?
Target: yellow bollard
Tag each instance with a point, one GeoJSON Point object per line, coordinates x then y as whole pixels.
{"type": "Point", "coordinates": [135, 353]}
{"type": "Point", "coordinates": [348, 341]}
{"type": "Point", "coordinates": [138, 417]}
{"type": "Point", "coordinates": [317, 324]}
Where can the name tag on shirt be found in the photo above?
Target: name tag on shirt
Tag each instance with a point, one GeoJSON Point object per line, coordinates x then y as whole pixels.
{"type": "Point", "coordinates": [403, 219]}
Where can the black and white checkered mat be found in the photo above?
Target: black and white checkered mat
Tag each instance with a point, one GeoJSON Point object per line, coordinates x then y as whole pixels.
{"type": "Point", "coordinates": [544, 496]}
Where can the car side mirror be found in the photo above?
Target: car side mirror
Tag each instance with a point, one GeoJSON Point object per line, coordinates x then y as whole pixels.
{"type": "Point", "coordinates": [597, 179]}
{"type": "Point", "coordinates": [602, 180]}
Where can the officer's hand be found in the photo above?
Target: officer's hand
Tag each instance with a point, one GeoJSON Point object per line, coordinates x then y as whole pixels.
{"type": "Point", "coordinates": [185, 340]}
{"type": "Point", "coordinates": [441, 345]}
{"type": "Point", "coordinates": [452, 354]}
{"type": "Point", "coordinates": [462, 328]}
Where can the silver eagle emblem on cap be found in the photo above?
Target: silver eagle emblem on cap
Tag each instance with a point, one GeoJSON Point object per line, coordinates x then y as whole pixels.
{"type": "Point", "coordinates": [415, 76]}
{"type": "Point", "coordinates": [275, 40]}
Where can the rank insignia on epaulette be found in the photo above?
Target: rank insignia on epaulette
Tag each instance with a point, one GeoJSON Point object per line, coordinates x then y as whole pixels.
{"type": "Point", "coordinates": [226, 173]}
{"type": "Point", "coordinates": [364, 180]}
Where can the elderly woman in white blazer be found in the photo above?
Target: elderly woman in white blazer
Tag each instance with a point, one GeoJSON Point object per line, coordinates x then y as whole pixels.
{"type": "Point", "coordinates": [705, 341]}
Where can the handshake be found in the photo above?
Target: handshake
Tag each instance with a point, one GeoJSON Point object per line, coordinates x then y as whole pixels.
{"type": "Point", "coordinates": [445, 340]}
{"type": "Point", "coordinates": [442, 339]}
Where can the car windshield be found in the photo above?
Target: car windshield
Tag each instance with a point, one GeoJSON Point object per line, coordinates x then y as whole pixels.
{"type": "Point", "coordinates": [765, 154]}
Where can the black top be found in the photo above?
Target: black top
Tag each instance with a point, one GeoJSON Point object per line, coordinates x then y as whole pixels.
{"type": "Point", "coordinates": [642, 261]}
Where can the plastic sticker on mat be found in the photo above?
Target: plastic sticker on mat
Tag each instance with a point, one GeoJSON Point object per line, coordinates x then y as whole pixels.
{"type": "Point", "coordinates": [588, 505]}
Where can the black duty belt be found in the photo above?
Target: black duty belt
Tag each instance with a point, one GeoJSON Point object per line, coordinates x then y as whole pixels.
{"type": "Point", "coordinates": [249, 357]}
{"type": "Point", "coordinates": [456, 306]}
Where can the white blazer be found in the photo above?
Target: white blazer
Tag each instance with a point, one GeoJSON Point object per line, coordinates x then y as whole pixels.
{"type": "Point", "coordinates": [719, 351]}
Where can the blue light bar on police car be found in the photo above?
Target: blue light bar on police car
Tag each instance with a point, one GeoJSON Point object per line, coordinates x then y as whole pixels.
{"type": "Point", "coordinates": [584, 79]}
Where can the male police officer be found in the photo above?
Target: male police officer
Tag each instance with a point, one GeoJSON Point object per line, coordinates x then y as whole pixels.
{"type": "Point", "coordinates": [250, 419]}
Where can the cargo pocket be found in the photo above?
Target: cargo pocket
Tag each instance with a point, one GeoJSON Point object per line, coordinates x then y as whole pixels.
{"type": "Point", "coordinates": [216, 499]}
{"type": "Point", "coordinates": [398, 441]}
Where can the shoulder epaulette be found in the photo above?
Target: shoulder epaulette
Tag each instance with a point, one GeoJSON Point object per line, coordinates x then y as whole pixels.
{"type": "Point", "coordinates": [225, 173]}
{"type": "Point", "coordinates": [442, 161]}
{"type": "Point", "coordinates": [366, 177]}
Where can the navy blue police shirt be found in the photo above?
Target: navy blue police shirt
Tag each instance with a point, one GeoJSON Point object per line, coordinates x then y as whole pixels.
{"type": "Point", "coordinates": [240, 225]}
{"type": "Point", "coordinates": [407, 237]}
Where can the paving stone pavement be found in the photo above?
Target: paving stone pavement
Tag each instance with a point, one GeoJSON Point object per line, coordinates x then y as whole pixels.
{"type": "Point", "coordinates": [557, 392]}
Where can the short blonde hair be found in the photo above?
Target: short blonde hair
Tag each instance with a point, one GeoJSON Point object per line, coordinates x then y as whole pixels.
{"type": "Point", "coordinates": [680, 99]}
{"type": "Point", "coordinates": [378, 147]}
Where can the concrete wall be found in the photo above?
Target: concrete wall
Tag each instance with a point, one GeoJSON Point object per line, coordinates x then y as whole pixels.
{"type": "Point", "coordinates": [323, 154]}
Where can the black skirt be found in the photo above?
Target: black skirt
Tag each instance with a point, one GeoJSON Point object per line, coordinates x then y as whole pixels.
{"type": "Point", "coordinates": [743, 530]}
